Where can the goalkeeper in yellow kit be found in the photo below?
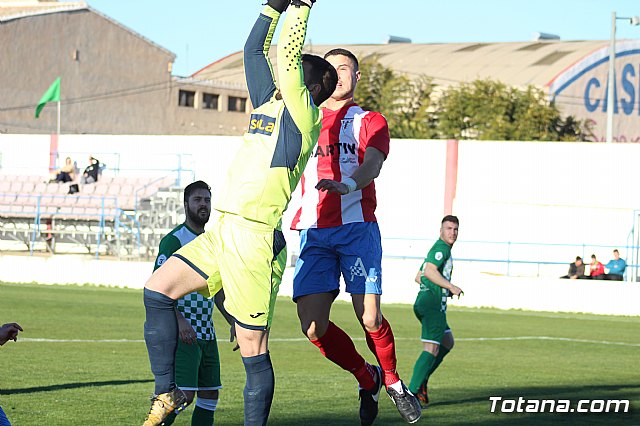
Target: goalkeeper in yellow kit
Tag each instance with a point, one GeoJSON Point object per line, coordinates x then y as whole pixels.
{"type": "Point", "coordinates": [244, 252]}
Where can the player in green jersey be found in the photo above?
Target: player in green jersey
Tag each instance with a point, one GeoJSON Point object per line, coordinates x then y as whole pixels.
{"type": "Point", "coordinates": [244, 252]}
{"type": "Point", "coordinates": [430, 307]}
{"type": "Point", "coordinates": [197, 358]}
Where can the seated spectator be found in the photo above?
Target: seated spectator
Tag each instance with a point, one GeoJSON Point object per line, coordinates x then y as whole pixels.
{"type": "Point", "coordinates": [91, 173]}
{"type": "Point", "coordinates": [596, 269]}
{"type": "Point", "coordinates": [576, 269]}
{"type": "Point", "coordinates": [66, 173]}
{"type": "Point", "coordinates": [615, 267]}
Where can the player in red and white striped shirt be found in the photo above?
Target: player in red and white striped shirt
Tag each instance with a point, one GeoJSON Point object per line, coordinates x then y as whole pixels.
{"type": "Point", "coordinates": [339, 235]}
{"type": "Point", "coordinates": [348, 134]}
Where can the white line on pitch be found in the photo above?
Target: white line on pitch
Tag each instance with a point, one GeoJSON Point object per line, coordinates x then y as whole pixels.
{"type": "Point", "coordinates": [302, 339]}
{"type": "Point", "coordinates": [559, 339]}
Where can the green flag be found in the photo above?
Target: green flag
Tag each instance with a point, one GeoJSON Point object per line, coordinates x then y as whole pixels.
{"type": "Point", "coordinates": [51, 95]}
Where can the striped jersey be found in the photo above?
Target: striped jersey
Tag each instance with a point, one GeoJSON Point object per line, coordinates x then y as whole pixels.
{"type": "Point", "coordinates": [196, 308]}
{"type": "Point", "coordinates": [345, 135]}
{"type": "Point", "coordinates": [283, 127]}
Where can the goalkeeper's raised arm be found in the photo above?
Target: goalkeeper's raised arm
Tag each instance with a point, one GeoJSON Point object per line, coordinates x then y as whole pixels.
{"type": "Point", "coordinates": [257, 66]}
{"type": "Point", "coordinates": [306, 81]}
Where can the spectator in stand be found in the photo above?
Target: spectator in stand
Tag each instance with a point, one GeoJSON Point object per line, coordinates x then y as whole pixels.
{"type": "Point", "coordinates": [596, 269]}
{"type": "Point", "coordinates": [66, 173]}
{"type": "Point", "coordinates": [576, 269]}
{"type": "Point", "coordinates": [615, 267]}
{"type": "Point", "coordinates": [91, 173]}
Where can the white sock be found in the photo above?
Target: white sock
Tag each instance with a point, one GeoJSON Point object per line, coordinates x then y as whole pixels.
{"type": "Point", "coordinates": [397, 386]}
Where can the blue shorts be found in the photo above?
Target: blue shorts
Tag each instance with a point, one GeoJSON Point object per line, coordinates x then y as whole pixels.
{"type": "Point", "coordinates": [353, 250]}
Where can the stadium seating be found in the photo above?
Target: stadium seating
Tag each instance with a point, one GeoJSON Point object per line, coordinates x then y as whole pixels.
{"type": "Point", "coordinates": [32, 210]}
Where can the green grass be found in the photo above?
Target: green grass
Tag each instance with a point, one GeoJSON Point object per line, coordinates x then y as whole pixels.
{"type": "Point", "coordinates": [95, 383]}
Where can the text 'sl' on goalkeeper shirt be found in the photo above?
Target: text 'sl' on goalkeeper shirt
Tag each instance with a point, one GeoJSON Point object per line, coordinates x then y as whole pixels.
{"type": "Point", "coordinates": [282, 129]}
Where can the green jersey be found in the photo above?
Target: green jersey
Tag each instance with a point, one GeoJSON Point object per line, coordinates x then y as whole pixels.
{"type": "Point", "coordinates": [440, 256]}
{"type": "Point", "coordinates": [196, 308]}
{"type": "Point", "coordinates": [283, 127]}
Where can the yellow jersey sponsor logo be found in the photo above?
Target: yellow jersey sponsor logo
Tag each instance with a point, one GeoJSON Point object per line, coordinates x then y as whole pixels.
{"type": "Point", "coordinates": [262, 124]}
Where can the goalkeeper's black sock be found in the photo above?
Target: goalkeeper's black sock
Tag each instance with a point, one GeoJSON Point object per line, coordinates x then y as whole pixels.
{"type": "Point", "coordinates": [161, 337]}
{"type": "Point", "coordinates": [258, 391]}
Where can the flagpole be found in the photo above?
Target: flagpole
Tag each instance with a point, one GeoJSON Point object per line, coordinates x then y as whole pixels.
{"type": "Point", "coordinates": [58, 119]}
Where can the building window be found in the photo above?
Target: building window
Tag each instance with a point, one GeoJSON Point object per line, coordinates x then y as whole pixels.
{"type": "Point", "coordinates": [209, 101]}
{"type": "Point", "coordinates": [237, 104]}
{"type": "Point", "coordinates": [186, 98]}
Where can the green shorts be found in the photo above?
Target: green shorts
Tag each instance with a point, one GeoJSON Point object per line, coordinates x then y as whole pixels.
{"type": "Point", "coordinates": [246, 259]}
{"type": "Point", "coordinates": [428, 309]}
{"type": "Point", "coordinates": [198, 365]}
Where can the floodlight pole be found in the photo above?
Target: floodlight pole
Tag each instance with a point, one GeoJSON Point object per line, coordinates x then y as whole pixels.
{"type": "Point", "coordinates": [611, 81]}
{"type": "Point", "coordinates": [611, 101]}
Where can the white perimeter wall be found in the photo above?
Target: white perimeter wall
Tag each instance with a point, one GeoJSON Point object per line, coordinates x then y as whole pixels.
{"type": "Point", "coordinates": [541, 192]}
{"type": "Point", "coordinates": [481, 290]}
{"type": "Point", "coordinates": [547, 192]}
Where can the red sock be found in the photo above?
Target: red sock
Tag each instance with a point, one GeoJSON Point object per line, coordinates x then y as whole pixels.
{"type": "Point", "coordinates": [371, 345]}
{"type": "Point", "coordinates": [382, 344]}
{"type": "Point", "coordinates": [338, 347]}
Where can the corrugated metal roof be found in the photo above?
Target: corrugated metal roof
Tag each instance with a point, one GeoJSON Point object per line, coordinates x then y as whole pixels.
{"type": "Point", "coordinates": [18, 9]}
{"type": "Point", "coordinates": [515, 63]}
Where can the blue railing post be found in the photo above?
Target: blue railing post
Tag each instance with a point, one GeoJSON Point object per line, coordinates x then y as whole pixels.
{"type": "Point", "coordinates": [101, 230]}
{"type": "Point", "coordinates": [36, 226]}
{"type": "Point", "coordinates": [118, 163]}
{"type": "Point", "coordinates": [119, 212]}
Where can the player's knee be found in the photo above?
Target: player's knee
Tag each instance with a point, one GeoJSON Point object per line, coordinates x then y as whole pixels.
{"type": "Point", "coordinates": [314, 330]}
{"type": "Point", "coordinates": [448, 341]}
{"type": "Point", "coordinates": [432, 348]}
{"type": "Point", "coordinates": [190, 395]}
{"type": "Point", "coordinates": [150, 283]}
{"type": "Point", "coordinates": [158, 283]}
{"type": "Point", "coordinates": [371, 321]}
{"type": "Point", "coordinates": [208, 394]}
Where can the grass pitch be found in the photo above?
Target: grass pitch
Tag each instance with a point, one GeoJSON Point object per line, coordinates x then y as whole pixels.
{"type": "Point", "coordinates": [82, 361]}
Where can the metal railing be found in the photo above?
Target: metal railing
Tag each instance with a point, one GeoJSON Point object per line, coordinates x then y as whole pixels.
{"type": "Point", "coordinates": [100, 217]}
{"type": "Point", "coordinates": [514, 258]}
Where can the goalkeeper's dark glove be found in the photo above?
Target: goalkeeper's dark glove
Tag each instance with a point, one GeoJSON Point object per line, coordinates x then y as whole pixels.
{"type": "Point", "coordinates": [298, 3]}
{"type": "Point", "coordinates": [278, 5]}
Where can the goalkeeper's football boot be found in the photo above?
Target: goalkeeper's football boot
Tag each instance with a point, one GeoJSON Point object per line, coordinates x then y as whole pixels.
{"type": "Point", "coordinates": [407, 404]}
{"type": "Point", "coordinates": [423, 396]}
{"type": "Point", "coordinates": [369, 399]}
{"type": "Point", "coordinates": [164, 404]}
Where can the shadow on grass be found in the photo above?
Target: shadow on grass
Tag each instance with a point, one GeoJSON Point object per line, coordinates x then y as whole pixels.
{"type": "Point", "coordinates": [67, 386]}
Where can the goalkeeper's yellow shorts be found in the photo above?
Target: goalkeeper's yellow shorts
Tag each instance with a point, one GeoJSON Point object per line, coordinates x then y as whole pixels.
{"type": "Point", "coordinates": [246, 259]}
